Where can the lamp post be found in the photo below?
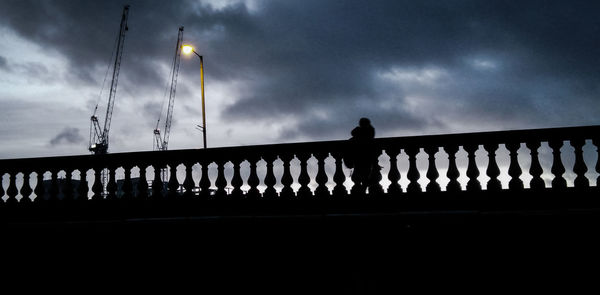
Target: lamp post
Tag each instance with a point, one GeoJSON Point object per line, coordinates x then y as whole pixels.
{"type": "Point", "coordinates": [187, 49]}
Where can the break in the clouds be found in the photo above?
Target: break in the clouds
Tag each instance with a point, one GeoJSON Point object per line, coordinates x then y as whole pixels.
{"type": "Point", "coordinates": [306, 70]}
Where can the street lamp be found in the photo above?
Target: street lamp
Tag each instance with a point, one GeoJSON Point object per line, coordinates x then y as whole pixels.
{"type": "Point", "coordinates": [187, 49]}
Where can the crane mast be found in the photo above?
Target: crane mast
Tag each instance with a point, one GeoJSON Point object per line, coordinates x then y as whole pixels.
{"type": "Point", "coordinates": [161, 143]}
{"type": "Point", "coordinates": [98, 135]}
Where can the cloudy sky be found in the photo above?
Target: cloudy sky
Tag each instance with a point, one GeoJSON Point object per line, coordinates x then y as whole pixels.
{"type": "Point", "coordinates": [287, 71]}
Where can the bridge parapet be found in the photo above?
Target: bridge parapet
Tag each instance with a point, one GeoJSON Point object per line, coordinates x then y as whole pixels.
{"type": "Point", "coordinates": [25, 177]}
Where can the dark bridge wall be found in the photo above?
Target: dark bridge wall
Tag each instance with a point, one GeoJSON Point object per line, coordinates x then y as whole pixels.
{"type": "Point", "coordinates": [338, 254]}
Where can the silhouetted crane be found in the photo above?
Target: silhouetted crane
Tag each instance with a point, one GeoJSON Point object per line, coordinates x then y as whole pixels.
{"type": "Point", "coordinates": [98, 136]}
{"type": "Point", "coordinates": [162, 143]}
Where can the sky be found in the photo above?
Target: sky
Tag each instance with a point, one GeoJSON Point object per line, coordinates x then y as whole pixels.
{"type": "Point", "coordinates": [291, 71]}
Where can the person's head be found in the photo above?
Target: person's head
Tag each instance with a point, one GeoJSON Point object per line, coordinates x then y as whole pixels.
{"type": "Point", "coordinates": [364, 122]}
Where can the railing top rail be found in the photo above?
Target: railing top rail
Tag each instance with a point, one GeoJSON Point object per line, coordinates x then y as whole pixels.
{"type": "Point", "coordinates": [505, 136]}
{"type": "Point", "coordinates": [229, 153]}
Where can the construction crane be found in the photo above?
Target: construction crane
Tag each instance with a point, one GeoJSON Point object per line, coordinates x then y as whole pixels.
{"type": "Point", "coordinates": [162, 143]}
{"type": "Point", "coordinates": [99, 136]}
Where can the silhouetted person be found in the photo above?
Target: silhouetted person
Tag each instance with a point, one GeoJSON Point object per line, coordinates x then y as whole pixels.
{"type": "Point", "coordinates": [364, 131]}
{"type": "Point", "coordinates": [362, 155]}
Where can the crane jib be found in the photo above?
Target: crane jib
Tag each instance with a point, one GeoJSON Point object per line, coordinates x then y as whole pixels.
{"type": "Point", "coordinates": [99, 139]}
{"type": "Point", "coordinates": [162, 143]}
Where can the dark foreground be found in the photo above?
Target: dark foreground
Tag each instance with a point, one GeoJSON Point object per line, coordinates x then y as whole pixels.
{"type": "Point", "coordinates": [387, 249]}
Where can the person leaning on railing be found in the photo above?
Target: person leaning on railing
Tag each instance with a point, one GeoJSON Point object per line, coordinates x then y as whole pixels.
{"type": "Point", "coordinates": [361, 156]}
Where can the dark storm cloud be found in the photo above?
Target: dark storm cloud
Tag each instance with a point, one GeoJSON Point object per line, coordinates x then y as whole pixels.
{"type": "Point", "coordinates": [85, 32]}
{"type": "Point", "coordinates": [324, 64]}
{"type": "Point", "coordinates": [30, 71]}
{"type": "Point", "coordinates": [69, 135]}
{"type": "Point", "coordinates": [3, 63]}
{"type": "Point", "coordinates": [153, 112]}
{"type": "Point", "coordinates": [338, 123]}
{"type": "Point", "coordinates": [507, 61]}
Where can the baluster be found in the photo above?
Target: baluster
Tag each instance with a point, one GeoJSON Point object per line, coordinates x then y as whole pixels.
{"type": "Point", "coordinates": [339, 190]}
{"type": "Point", "coordinates": [1, 187]}
{"type": "Point", "coordinates": [432, 172]}
{"type": "Point", "coordinates": [204, 180]}
{"type": "Point", "coordinates": [68, 186]}
{"type": "Point", "coordinates": [452, 173]}
{"type": "Point", "coordinates": [221, 181]}
{"type": "Point", "coordinates": [536, 183]}
{"type": "Point", "coordinates": [270, 180]}
{"type": "Point", "coordinates": [188, 183]}
{"type": "Point", "coordinates": [40, 190]}
{"type": "Point", "coordinates": [12, 190]}
{"type": "Point", "coordinates": [253, 181]}
{"type": "Point", "coordinates": [82, 189]}
{"type": "Point", "coordinates": [558, 169]}
{"type": "Point", "coordinates": [97, 187]}
{"type": "Point", "coordinates": [514, 169]}
{"type": "Point", "coordinates": [358, 189]}
{"type": "Point", "coordinates": [286, 179]}
{"type": "Point", "coordinates": [157, 183]}
{"type": "Point", "coordinates": [375, 188]}
{"type": "Point", "coordinates": [54, 189]}
{"type": "Point", "coordinates": [596, 142]}
{"type": "Point", "coordinates": [236, 180]}
{"type": "Point", "coordinates": [173, 183]}
{"type": "Point", "coordinates": [111, 186]}
{"type": "Point", "coordinates": [579, 167]}
{"type": "Point", "coordinates": [413, 174]}
{"type": "Point", "coordinates": [472, 170]}
{"type": "Point", "coordinates": [394, 175]}
{"type": "Point", "coordinates": [492, 170]}
{"type": "Point", "coordinates": [26, 188]}
{"type": "Point", "coordinates": [321, 178]}
{"type": "Point", "coordinates": [127, 187]}
{"type": "Point", "coordinates": [142, 185]}
{"type": "Point", "coordinates": [304, 178]}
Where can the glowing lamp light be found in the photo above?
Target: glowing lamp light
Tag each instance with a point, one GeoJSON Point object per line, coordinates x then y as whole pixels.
{"type": "Point", "coordinates": [187, 49]}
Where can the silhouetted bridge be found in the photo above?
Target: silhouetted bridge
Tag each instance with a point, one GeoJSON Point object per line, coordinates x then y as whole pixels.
{"type": "Point", "coordinates": [328, 192]}
{"type": "Point", "coordinates": [298, 198]}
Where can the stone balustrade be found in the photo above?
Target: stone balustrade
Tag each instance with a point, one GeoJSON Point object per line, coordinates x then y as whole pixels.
{"type": "Point", "coordinates": [285, 186]}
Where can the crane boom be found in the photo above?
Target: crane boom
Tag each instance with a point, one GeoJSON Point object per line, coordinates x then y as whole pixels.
{"type": "Point", "coordinates": [162, 143]}
{"type": "Point", "coordinates": [99, 139]}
